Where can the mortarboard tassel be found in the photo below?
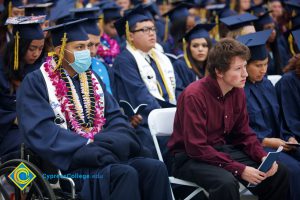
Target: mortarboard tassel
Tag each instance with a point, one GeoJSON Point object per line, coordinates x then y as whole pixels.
{"type": "Point", "coordinates": [215, 32]}
{"type": "Point", "coordinates": [185, 53]}
{"type": "Point", "coordinates": [166, 33]}
{"type": "Point", "coordinates": [203, 12]}
{"type": "Point", "coordinates": [16, 51]}
{"type": "Point", "coordinates": [291, 44]}
{"type": "Point", "coordinates": [10, 9]}
{"type": "Point", "coordinates": [62, 50]}
{"type": "Point", "coordinates": [101, 21]}
{"type": "Point", "coordinates": [127, 34]}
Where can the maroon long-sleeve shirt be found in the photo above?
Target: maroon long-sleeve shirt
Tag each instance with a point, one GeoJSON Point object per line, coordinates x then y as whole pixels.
{"type": "Point", "coordinates": [204, 117]}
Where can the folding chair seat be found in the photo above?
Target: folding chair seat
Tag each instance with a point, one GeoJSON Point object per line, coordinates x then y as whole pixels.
{"type": "Point", "coordinates": [160, 123]}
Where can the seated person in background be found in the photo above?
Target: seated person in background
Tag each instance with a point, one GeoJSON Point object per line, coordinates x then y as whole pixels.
{"type": "Point", "coordinates": [68, 118]}
{"type": "Point", "coordinates": [143, 75]}
{"type": "Point", "coordinates": [288, 91]}
{"type": "Point", "coordinates": [236, 25]}
{"type": "Point", "coordinates": [196, 45]}
{"type": "Point", "coordinates": [212, 142]}
{"type": "Point", "coordinates": [264, 110]}
{"type": "Point", "coordinates": [30, 39]}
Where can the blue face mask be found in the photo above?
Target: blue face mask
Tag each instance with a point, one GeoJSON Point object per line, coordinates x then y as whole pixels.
{"type": "Point", "coordinates": [82, 61]}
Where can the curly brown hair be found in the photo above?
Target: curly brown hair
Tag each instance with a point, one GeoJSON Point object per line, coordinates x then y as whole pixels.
{"type": "Point", "coordinates": [220, 56]}
{"type": "Point", "coordinates": [293, 64]}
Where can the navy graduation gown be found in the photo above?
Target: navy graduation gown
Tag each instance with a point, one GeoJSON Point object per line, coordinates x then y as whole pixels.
{"type": "Point", "coordinates": [10, 137]}
{"type": "Point", "coordinates": [186, 74]}
{"type": "Point", "coordinates": [130, 87]}
{"type": "Point", "coordinates": [265, 120]}
{"type": "Point", "coordinates": [263, 108]}
{"type": "Point", "coordinates": [288, 90]}
{"type": "Point", "coordinates": [110, 157]}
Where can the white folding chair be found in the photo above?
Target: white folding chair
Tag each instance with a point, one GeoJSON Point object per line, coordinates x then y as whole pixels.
{"type": "Point", "coordinates": [160, 123]}
{"type": "Point", "coordinates": [274, 78]}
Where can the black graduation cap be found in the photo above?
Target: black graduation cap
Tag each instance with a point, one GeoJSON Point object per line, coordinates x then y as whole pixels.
{"type": "Point", "coordinates": [199, 31]}
{"type": "Point", "coordinates": [292, 6]}
{"type": "Point", "coordinates": [256, 43]}
{"type": "Point", "coordinates": [90, 25]}
{"type": "Point", "coordinates": [60, 13]}
{"type": "Point", "coordinates": [257, 10]}
{"type": "Point", "coordinates": [111, 11]}
{"type": "Point", "coordinates": [73, 29]}
{"type": "Point", "coordinates": [133, 16]}
{"type": "Point", "coordinates": [37, 1]}
{"type": "Point", "coordinates": [296, 35]}
{"type": "Point", "coordinates": [25, 27]}
{"type": "Point", "coordinates": [152, 8]}
{"type": "Point", "coordinates": [36, 9]}
{"type": "Point", "coordinates": [238, 21]}
{"type": "Point", "coordinates": [264, 19]}
{"type": "Point", "coordinates": [80, 13]}
{"type": "Point", "coordinates": [181, 10]}
{"type": "Point", "coordinates": [28, 27]}
{"type": "Point", "coordinates": [15, 3]}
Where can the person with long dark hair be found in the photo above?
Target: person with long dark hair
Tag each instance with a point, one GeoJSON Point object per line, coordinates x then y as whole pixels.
{"type": "Point", "coordinates": [23, 55]}
{"type": "Point", "coordinates": [196, 45]}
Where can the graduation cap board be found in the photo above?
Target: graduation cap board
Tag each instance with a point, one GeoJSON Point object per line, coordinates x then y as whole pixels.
{"type": "Point", "coordinates": [130, 18]}
{"type": "Point", "coordinates": [264, 19]}
{"type": "Point", "coordinates": [36, 9]}
{"type": "Point", "coordinates": [90, 25]}
{"type": "Point", "coordinates": [238, 21]}
{"type": "Point", "coordinates": [60, 13]}
{"type": "Point", "coordinates": [73, 30]}
{"type": "Point", "coordinates": [111, 11]}
{"type": "Point", "coordinates": [67, 32]}
{"type": "Point", "coordinates": [181, 10]}
{"type": "Point", "coordinates": [26, 27]}
{"type": "Point", "coordinates": [256, 42]}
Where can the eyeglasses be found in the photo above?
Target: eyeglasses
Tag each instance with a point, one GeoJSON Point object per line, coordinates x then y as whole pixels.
{"type": "Point", "coordinates": [145, 30]}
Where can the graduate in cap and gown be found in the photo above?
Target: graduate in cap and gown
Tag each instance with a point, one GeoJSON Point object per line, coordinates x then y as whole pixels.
{"type": "Point", "coordinates": [110, 42]}
{"type": "Point", "coordinates": [288, 89]}
{"type": "Point", "coordinates": [23, 55]}
{"type": "Point", "coordinates": [277, 46]}
{"type": "Point", "coordinates": [196, 45]}
{"type": "Point", "coordinates": [265, 116]}
{"type": "Point", "coordinates": [90, 26]}
{"type": "Point", "coordinates": [143, 75]}
{"type": "Point", "coordinates": [236, 25]}
{"type": "Point", "coordinates": [178, 21]}
{"type": "Point", "coordinates": [68, 118]}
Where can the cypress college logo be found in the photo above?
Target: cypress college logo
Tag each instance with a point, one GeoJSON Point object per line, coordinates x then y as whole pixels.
{"type": "Point", "coordinates": [22, 176]}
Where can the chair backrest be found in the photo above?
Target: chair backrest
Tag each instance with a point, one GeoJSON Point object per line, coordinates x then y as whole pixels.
{"type": "Point", "coordinates": [274, 78]}
{"type": "Point", "coordinates": [161, 121]}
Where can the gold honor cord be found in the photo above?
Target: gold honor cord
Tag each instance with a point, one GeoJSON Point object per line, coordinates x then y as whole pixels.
{"type": "Point", "coordinates": [185, 54]}
{"type": "Point", "coordinates": [161, 74]}
{"type": "Point", "coordinates": [215, 31]}
{"type": "Point", "coordinates": [291, 44]}
{"type": "Point", "coordinates": [166, 33]}
{"type": "Point", "coordinates": [159, 88]}
{"type": "Point", "coordinates": [16, 51]}
{"type": "Point", "coordinates": [62, 50]}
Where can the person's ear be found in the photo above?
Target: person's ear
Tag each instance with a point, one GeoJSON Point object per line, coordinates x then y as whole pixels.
{"type": "Point", "coordinates": [219, 74]}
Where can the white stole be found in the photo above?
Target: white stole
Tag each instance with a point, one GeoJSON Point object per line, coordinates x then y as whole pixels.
{"type": "Point", "coordinates": [148, 74]}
